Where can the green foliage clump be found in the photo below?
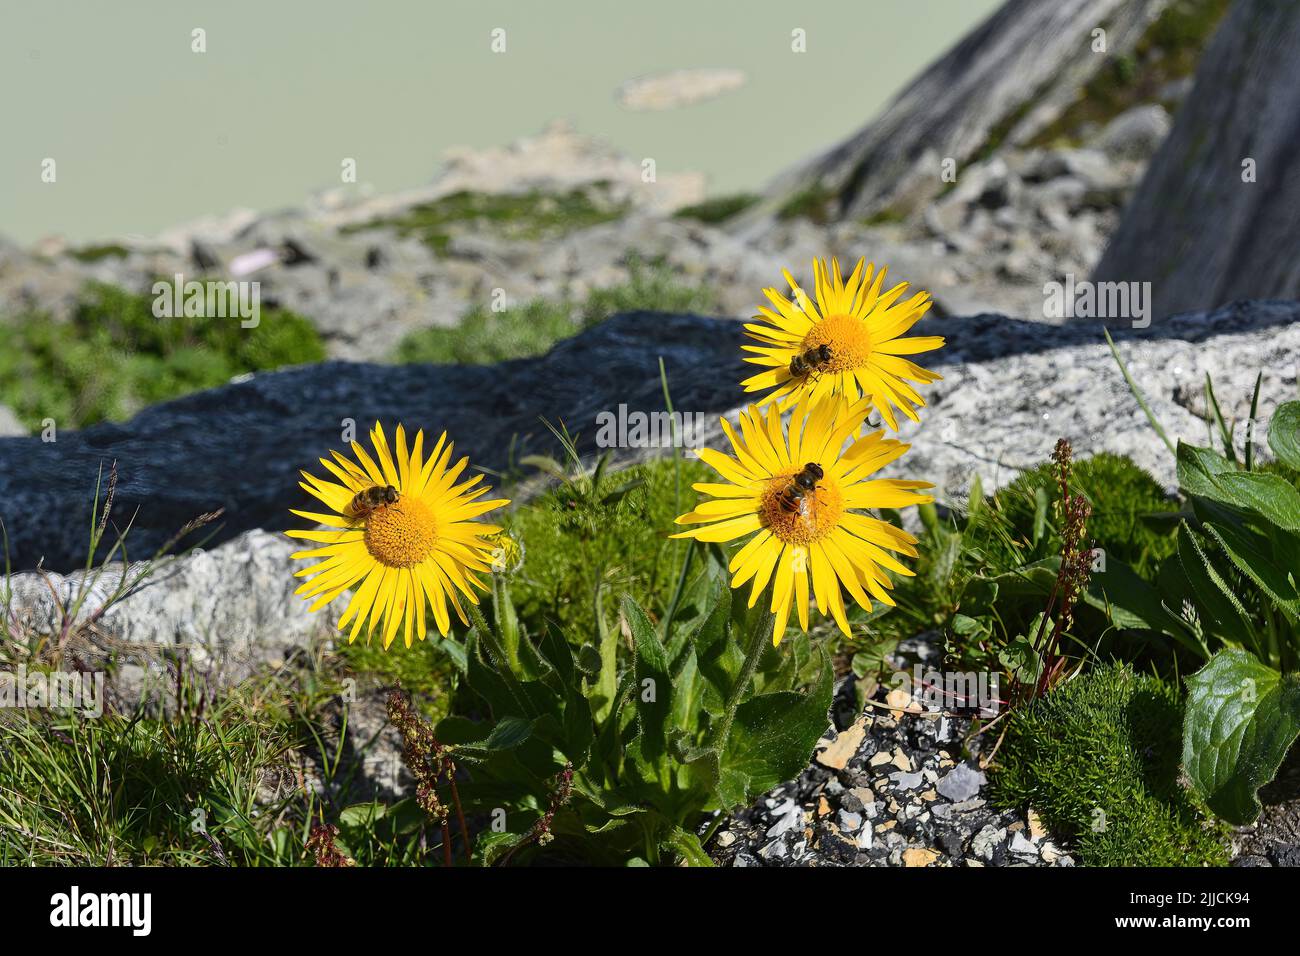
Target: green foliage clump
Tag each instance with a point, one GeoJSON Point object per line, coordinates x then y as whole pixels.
{"type": "Point", "coordinates": [114, 356]}
{"type": "Point", "coordinates": [1098, 758]}
{"type": "Point", "coordinates": [97, 253]}
{"type": "Point", "coordinates": [484, 337]}
{"type": "Point", "coordinates": [611, 748]}
{"type": "Point", "coordinates": [530, 215]}
{"type": "Point", "coordinates": [1131, 515]}
{"type": "Point", "coordinates": [121, 790]}
{"type": "Point", "coordinates": [719, 209]}
{"type": "Point", "coordinates": [812, 203]}
{"type": "Point", "coordinates": [885, 217]}
{"type": "Point", "coordinates": [580, 549]}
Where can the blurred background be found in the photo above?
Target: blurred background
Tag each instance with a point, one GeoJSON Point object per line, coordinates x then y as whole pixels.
{"type": "Point", "coordinates": [147, 133]}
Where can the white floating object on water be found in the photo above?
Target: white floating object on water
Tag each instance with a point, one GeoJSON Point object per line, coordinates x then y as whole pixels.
{"type": "Point", "coordinates": [666, 91]}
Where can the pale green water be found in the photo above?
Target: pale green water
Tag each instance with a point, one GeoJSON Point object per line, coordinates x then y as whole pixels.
{"type": "Point", "coordinates": [146, 133]}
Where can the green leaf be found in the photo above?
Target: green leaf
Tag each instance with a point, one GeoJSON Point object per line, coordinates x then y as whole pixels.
{"type": "Point", "coordinates": [1254, 555]}
{"type": "Point", "coordinates": [774, 734]}
{"type": "Point", "coordinates": [577, 729]}
{"type": "Point", "coordinates": [362, 814]}
{"type": "Point", "coordinates": [1133, 603]}
{"type": "Point", "coordinates": [688, 694]}
{"type": "Point", "coordinates": [734, 787]}
{"type": "Point", "coordinates": [1220, 609]}
{"type": "Point", "coordinates": [654, 686]}
{"type": "Point", "coordinates": [508, 734]}
{"type": "Point", "coordinates": [1137, 392]}
{"type": "Point", "coordinates": [687, 846]}
{"type": "Point", "coordinates": [1225, 433]}
{"type": "Point", "coordinates": [1242, 717]}
{"type": "Point", "coordinates": [1040, 514]}
{"type": "Point", "coordinates": [1270, 497]}
{"type": "Point", "coordinates": [492, 846]}
{"type": "Point", "coordinates": [718, 658]}
{"type": "Point", "coordinates": [606, 685]}
{"type": "Point", "coordinates": [454, 729]}
{"type": "Point", "coordinates": [1197, 468]}
{"type": "Point", "coordinates": [1284, 434]}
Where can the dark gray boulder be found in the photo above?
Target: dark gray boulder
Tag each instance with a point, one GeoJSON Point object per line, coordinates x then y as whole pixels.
{"type": "Point", "coordinates": [1010, 76]}
{"type": "Point", "coordinates": [240, 447]}
{"type": "Point", "coordinates": [1195, 229]}
{"type": "Point", "coordinates": [1010, 388]}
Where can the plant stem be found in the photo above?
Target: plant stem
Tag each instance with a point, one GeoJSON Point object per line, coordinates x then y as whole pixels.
{"type": "Point", "coordinates": [677, 591]}
{"type": "Point", "coordinates": [758, 639]}
{"type": "Point", "coordinates": [460, 815]}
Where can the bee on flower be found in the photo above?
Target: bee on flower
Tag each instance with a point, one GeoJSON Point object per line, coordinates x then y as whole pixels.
{"type": "Point", "coordinates": [848, 339]}
{"type": "Point", "coordinates": [797, 492]}
{"type": "Point", "coordinates": [400, 529]}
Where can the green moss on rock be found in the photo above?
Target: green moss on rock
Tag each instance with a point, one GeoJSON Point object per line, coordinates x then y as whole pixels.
{"type": "Point", "coordinates": [484, 337]}
{"type": "Point", "coordinates": [812, 203]}
{"type": "Point", "coordinates": [1098, 759]}
{"type": "Point", "coordinates": [719, 209]}
{"type": "Point", "coordinates": [1132, 517]}
{"type": "Point", "coordinates": [573, 547]}
{"type": "Point", "coordinates": [529, 215]}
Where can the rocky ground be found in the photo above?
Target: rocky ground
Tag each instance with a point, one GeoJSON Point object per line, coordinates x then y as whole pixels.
{"type": "Point", "coordinates": [980, 247]}
{"type": "Point", "coordinates": [887, 787]}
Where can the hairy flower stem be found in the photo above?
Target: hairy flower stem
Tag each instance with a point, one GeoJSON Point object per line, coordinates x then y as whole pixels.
{"type": "Point", "coordinates": [460, 813]}
{"type": "Point", "coordinates": [758, 639]}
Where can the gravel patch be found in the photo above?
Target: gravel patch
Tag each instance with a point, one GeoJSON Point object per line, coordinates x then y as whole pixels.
{"type": "Point", "coordinates": [888, 788]}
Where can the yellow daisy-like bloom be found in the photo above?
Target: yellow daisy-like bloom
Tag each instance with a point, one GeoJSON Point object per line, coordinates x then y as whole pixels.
{"type": "Point", "coordinates": [818, 538]}
{"type": "Point", "coordinates": [408, 548]}
{"type": "Point", "coordinates": [852, 334]}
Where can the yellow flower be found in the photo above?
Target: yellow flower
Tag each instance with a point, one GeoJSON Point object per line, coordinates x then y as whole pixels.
{"type": "Point", "coordinates": [849, 341]}
{"type": "Point", "coordinates": [413, 544]}
{"type": "Point", "coordinates": [819, 537]}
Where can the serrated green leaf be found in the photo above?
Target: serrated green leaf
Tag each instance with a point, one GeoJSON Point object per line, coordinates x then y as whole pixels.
{"type": "Point", "coordinates": [1254, 556]}
{"type": "Point", "coordinates": [773, 736]}
{"type": "Point", "coordinates": [508, 734]}
{"type": "Point", "coordinates": [1220, 609]}
{"type": "Point", "coordinates": [654, 686]}
{"type": "Point", "coordinates": [491, 846]}
{"type": "Point", "coordinates": [1242, 717]}
{"type": "Point", "coordinates": [1197, 468]}
{"type": "Point", "coordinates": [687, 846]}
{"type": "Point", "coordinates": [1284, 434]}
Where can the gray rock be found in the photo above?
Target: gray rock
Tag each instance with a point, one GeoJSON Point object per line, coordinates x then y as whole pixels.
{"type": "Point", "coordinates": [1135, 133]}
{"type": "Point", "coordinates": [984, 843]}
{"type": "Point", "coordinates": [907, 781]}
{"type": "Point", "coordinates": [963, 782]}
{"type": "Point", "coordinates": [228, 610]}
{"type": "Point", "coordinates": [1010, 388]}
{"type": "Point", "coordinates": [1197, 229]}
{"type": "Point", "coordinates": [1027, 62]}
{"type": "Point", "coordinates": [1021, 845]}
{"type": "Point", "coordinates": [9, 423]}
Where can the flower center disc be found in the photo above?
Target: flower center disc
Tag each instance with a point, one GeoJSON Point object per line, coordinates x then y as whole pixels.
{"type": "Point", "coordinates": [817, 515]}
{"type": "Point", "coordinates": [848, 338]}
{"type": "Point", "coordinates": [402, 534]}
